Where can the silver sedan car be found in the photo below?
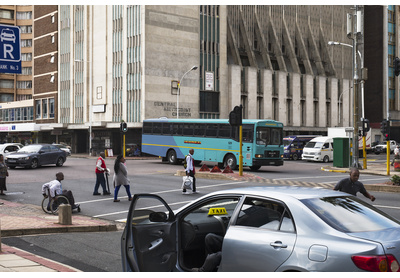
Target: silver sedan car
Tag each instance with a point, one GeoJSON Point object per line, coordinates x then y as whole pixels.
{"type": "Point", "coordinates": [263, 229]}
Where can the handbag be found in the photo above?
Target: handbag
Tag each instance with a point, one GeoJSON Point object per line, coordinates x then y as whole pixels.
{"type": "Point", "coordinates": [187, 182]}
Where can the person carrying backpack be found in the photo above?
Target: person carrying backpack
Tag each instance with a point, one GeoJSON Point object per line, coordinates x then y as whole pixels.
{"type": "Point", "coordinates": [190, 171]}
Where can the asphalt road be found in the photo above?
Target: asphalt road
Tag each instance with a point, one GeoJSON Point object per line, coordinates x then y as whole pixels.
{"type": "Point", "coordinates": [92, 252]}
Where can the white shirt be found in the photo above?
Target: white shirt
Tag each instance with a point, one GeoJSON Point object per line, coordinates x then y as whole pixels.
{"type": "Point", "coordinates": [396, 151]}
{"type": "Point", "coordinates": [189, 163]}
{"type": "Point", "coordinates": [54, 187]}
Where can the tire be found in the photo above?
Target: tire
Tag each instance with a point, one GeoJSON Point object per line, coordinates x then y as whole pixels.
{"type": "Point", "coordinates": [230, 160]}
{"type": "Point", "coordinates": [60, 162]}
{"type": "Point", "coordinates": [171, 157]}
{"type": "Point", "coordinates": [326, 159]}
{"type": "Point", "coordinates": [44, 205]}
{"type": "Point", "coordinates": [55, 204]}
{"type": "Point", "coordinates": [295, 156]}
{"type": "Point", "coordinates": [255, 168]}
{"type": "Point", "coordinates": [34, 164]}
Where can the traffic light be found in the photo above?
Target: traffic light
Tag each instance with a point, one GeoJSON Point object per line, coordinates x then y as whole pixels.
{"type": "Point", "coordinates": [365, 127]}
{"type": "Point", "coordinates": [385, 129]}
{"type": "Point", "coordinates": [396, 64]}
{"type": "Point", "coordinates": [123, 127]}
{"type": "Point", "coordinates": [235, 116]}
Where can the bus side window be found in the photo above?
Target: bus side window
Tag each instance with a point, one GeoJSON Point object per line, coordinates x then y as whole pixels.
{"type": "Point", "coordinates": [147, 128]}
{"type": "Point", "coordinates": [199, 130]}
{"type": "Point", "coordinates": [224, 131]}
{"type": "Point", "coordinates": [211, 130]}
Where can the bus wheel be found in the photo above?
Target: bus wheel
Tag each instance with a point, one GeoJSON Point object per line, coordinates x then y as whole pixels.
{"type": "Point", "coordinates": [230, 161]}
{"type": "Point", "coordinates": [172, 157]}
{"type": "Point", "coordinates": [295, 156]}
{"type": "Point", "coordinates": [255, 168]}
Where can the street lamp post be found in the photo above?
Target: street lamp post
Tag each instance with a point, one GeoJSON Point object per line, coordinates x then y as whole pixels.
{"type": "Point", "coordinates": [179, 90]}
{"type": "Point", "coordinates": [90, 105]}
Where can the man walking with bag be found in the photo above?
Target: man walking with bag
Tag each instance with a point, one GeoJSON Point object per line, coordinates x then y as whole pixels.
{"type": "Point", "coordinates": [100, 180]}
{"type": "Point", "coordinates": [190, 171]}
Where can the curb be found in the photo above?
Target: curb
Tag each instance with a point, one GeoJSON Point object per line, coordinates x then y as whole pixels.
{"type": "Point", "coordinates": [53, 230]}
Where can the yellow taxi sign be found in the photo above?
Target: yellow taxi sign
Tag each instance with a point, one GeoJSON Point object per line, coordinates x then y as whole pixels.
{"type": "Point", "coordinates": [217, 211]}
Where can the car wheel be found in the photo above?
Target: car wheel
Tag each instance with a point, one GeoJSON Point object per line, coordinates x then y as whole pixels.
{"type": "Point", "coordinates": [326, 159]}
{"type": "Point", "coordinates": [295, 156]}
{"type": "Point", "coordinates": [60, 162]}
{"type": "Point", "coordinates": [231, 161]}
{"type": "Point", "coordinates": [172, 159]}
{"type": "Point", "coordinates": [34, 164]}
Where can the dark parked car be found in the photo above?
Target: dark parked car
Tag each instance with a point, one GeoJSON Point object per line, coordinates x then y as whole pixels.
{"type": "Point", "coordinates": [33, 156]}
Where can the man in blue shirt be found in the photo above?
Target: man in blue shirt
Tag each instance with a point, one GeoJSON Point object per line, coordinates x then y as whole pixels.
{"type": "Point", "coordinates": [352, 185]}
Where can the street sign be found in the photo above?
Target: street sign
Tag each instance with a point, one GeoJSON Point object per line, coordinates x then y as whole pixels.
{"type": "Point", "coordinates": [10, 49]}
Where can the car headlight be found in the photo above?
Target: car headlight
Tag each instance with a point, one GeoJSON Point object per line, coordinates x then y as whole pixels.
{"type": "Point", "coordinates": [26, 158]}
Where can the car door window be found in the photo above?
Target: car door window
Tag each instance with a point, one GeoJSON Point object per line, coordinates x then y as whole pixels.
{"type": "Point", "coordinates": [45, 149]}
{"type": "Point", "coordinates": [265, 214]}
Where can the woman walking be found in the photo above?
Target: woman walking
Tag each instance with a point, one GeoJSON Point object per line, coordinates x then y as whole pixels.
{"type": "Point", "coordinates": [3, 175]}
{"type": "Point", "coordinates": [121, 177]}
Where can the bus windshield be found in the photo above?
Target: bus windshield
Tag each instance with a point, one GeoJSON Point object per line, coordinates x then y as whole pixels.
{"type": "Point", "coordinates": [268, 136]}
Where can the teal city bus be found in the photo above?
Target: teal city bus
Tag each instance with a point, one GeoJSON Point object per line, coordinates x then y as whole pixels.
{"type": "Point", "coordinates": [214, 141]}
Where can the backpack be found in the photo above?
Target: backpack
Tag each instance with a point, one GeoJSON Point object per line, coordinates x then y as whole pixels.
{"type": "Point", "coordinates": [185, 162]}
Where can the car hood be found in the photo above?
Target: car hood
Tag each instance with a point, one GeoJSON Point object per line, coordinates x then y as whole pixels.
{"type": "Point", "coordinates": [389, 238]}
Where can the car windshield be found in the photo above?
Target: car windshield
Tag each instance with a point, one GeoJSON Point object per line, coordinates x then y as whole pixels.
{"type": "Point", "coordinates": [287, 141]}
{"type": "Point", "coordinates": [30, 149]}
{"type": "Point", "coordinates": [316, 145]}
{"type": "Point", "coordinates": [350, 214]}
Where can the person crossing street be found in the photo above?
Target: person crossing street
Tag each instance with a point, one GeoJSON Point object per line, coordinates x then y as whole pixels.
{"type": "Point", "coordinates": [101, 168]}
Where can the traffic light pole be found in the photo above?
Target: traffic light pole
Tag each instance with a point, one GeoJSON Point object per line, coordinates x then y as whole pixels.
{"type": "Point", "coordinates": [240, 150]}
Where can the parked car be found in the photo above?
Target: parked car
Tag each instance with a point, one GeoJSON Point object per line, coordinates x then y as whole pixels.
{"type": "Point", "coordinates": [265, 229]}
{"type": "Point", "coordinates": [35, 155]}
{"type": "Point", "coordinates": [381, 147]}
{"type": "Point", "coordinates": [65, 148]}
{"type": "Point", "coordinates": [9, 148]}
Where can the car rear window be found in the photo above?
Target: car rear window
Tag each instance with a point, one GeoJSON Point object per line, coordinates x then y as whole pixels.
{"type": "Point", "coordinates": [350, 214]}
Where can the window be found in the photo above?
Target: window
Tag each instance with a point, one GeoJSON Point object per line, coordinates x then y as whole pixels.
{"type": "Point", "coordinates": [24, 84]}
{"type": "Point", "coordinates": [6, 14]}
{"type": "Point", "coordinates": [52, 59]}
{"type": "Point", "coordinates": [265, 214]}
{"type": "Point", "coordinates": [44, 108]}
{"type": "Point", "coordinates": [26, 43]}
{"type": "Point", "coordinates": [209, 101]}
{"type": "Point", "coordinates": [7, 84]}
{"type": "Point", "coordinates": [211, 130]}
{"type": "Point", "coordinates": [24, 15]}
{"type": "Point", "coordinates": [52, 39]}
{"type": "Point", "coordinates": [51, 108]}
{"type": "Point", "coordinates": [26, 70]}
{"type": "Point", "coordinates": [52, 18]}
{"type": "Point", "coordinates": [52, 78]}
{"type": "Point", "coordinates": [38, 106]}
{"type": "Point", "coordinates": [26, 56]}
{"type": "Point", "coordinates": [26, 29]}
{"type": "Point", "coordinates": [188, 129]}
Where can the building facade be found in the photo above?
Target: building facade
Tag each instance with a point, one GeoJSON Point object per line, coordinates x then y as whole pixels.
{"type": "Point", "coordinates": [100, 65]}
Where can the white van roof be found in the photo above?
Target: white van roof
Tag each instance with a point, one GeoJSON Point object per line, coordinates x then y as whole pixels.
{"type": "Point", "coordinates": [320, 139]}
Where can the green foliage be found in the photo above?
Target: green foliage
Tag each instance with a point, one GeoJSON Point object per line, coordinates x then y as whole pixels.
{"type": "Point", "coordinates": [395, 179]}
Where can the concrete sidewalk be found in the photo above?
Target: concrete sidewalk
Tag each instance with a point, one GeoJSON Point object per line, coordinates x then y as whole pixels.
{"type": "Point", "coordinates": [24, 219]}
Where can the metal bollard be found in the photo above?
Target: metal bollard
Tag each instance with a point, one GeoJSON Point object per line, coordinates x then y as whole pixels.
{"type": "Point", "coordinates": [65, 214]}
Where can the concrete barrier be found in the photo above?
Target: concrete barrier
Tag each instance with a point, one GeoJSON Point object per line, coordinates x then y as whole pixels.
{"type": "Point", "coordinates": [65, 214]}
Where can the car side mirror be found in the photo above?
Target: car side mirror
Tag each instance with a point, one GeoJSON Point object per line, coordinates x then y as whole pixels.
{"type": "Point", "coordinates": [41, 151]}
{"type": "Point", "coordinates": [158, 217]}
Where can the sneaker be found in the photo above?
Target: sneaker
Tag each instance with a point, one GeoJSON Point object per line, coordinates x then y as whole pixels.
{"type": "Point", "coordinates": [96, 193]}
{"type": "Point", "coordinates": [116, 200]}
{"type": "Point", "coordinates": [185, 193]}
{"type": "Point", "coordinates": [130, 199]}
{"type": "Point", "coordinates": [195, 192]}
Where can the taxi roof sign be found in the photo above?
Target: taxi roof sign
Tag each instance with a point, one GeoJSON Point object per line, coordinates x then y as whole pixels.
{"type": "Point", "coordinates": [217, 211]}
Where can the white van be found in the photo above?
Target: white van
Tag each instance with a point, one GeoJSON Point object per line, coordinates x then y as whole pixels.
{"type": "Point", "coordinates": [319, 149]}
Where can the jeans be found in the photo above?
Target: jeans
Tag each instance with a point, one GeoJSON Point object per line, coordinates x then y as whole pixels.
{"type": "Point", "coordinates": [100, 180]}
{"type": "Point", "coordinates": [127, 188]}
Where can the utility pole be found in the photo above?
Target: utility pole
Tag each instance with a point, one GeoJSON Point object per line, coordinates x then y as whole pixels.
{"type": "Point", "coordinates": [354, 32]}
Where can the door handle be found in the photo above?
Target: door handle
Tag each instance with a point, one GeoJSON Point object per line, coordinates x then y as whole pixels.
{"type": "Point", "coordinates": [278, 245]}
{"type": "Point", "coordinates": [155, 243]}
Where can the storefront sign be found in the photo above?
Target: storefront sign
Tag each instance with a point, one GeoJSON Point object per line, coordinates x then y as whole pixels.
{"type": "Point", "coordinates": [209, 81]}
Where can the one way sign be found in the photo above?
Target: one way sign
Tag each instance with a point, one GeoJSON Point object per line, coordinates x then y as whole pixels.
{"type": "Point", "coordinates": [10, 49]}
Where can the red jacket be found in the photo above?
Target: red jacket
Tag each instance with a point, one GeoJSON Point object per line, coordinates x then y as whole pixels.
{"type": "Point", "coordinates": [103, 165]}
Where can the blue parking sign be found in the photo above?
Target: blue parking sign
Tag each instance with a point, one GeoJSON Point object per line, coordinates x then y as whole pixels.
{"type": "Point", "coordinates": [10, 49]}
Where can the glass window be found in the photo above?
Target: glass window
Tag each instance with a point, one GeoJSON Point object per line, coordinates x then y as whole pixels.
{"type": "Point", "coordinates": [6, 14]}
{"type": "Point", "coordinates": [157, 128]}
{"type": "Point", "coordinates": [209, 101]}
{"type": "Point", "coordinates": [166, 129]}
{"type": "Point", "coordinates": [248, 133]}
{"type": "Point", "coordinates": [177, 129]}
{"type": "Point", "coordinates": [265, 214]}
{"type": "Point", "coordinates": [350, 214]}
{"type": "Point", "coordinates": [276, 136]}
{"type": "Point", "coordinates": [7, 84]}
{"type": "Point", "coordinates": [188, 129]}
{"type": "Point", "coordinates": [211, 130]}
{"type": "Point", "coordinates": [147, 128]}
{"type": "Point", "coordinates": [38, 110]}
{"type": "Point", "coordinates": [199, 129]}
{"type": "Point", "coordinates": [51, 107]}
{"type": "Point", "coordinates": [224, 131]}
{"type": "Point", "coordinates": [44, 108]}
{"type": "Point", "coordinates": [263, 136]}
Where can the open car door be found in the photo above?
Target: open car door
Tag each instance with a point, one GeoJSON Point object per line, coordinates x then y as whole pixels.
{"type": "Point", "coordinates": [148, 242]}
